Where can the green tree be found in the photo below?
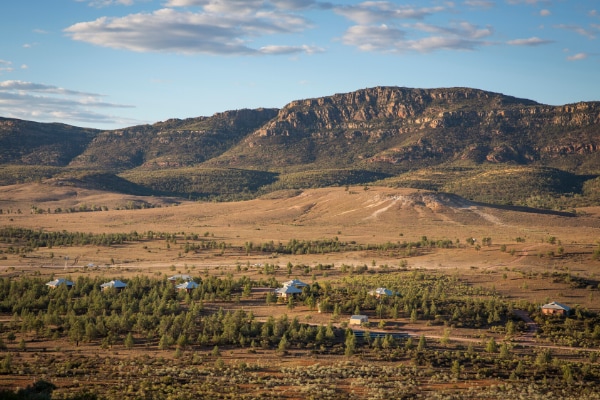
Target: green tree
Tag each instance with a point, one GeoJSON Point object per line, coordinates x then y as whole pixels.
{"type": "Point", "coordinates": [350, 343]}
{"type": "Point", "coordinates": [422, 343]}
{"type": "Point", "coordinates": [129, 341]}
{"type": "Point", "coordinates": [491, 346]}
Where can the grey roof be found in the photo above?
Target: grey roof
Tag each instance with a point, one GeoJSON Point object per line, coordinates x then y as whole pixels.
{"type": "Point", "coordinates": [295, 282]}
{"type": "Point", "coordinates": [180, 276]}
{"type": "Point", "coordinates": [288, 290]}
{"type": "Point", "coordinates": [359, 317]}
{"type": "Point", "coordinates": [556, 306]}
{"type": "Point", "coordinates": [382, 291]}
{"type": "Point", "coordinates": [60, 281]}
{"type": "Point", "coordinates": [116, 284]}
{"type": "Point", "coordinates": [187, 285]}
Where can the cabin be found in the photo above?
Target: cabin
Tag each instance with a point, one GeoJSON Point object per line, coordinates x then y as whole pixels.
{"type": "Point", "coordinates": [287, 291]}
{"type": "Point", "coordinates": [60, 281]}
{"type": "Point", "coordinates": [116, 284]}
{"type": "Point", "coordinates": [187, 286]}
{"type": "Point", "coordinates": [358, 320]}
{"type": "Point", "coordinates": [556, 308]}
{"type": "Point", "coordinates": [381, 292]}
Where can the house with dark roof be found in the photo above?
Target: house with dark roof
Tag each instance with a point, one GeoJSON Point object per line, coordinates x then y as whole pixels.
{"type": "Point", "coordinates": [115, 284]}
{"type": "Point", "coordinates": [187, 286]}
{"type": "Point", "coordinates": [60, 281]}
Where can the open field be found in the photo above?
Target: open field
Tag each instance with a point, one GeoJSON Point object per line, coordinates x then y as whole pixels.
{"type": "Point", "coordinates": [350, 240]}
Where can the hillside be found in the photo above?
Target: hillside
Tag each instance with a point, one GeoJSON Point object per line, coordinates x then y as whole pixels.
{"type": "Point", "coordinates": [456, 140]}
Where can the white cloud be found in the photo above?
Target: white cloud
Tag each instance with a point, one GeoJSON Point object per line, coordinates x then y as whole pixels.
{"type": "Point", "coordinates": [371, 12]}
{"type": "Point", "coordinates": [384, 38]}
{"type": "Point", "coordinates": [374, 38]}
{"type": "Point", "coordinates": [532, 41]}
{"type": "Point", "coordinates": [590, 34]}
{"type": "Point", "coordinates": [106, 3]}
{"type": "Point", "coordinates": [479, 3]}
{"type": "Point", "coordinates": [545, 13]}
{"type": "Point", "coordinates": [6, 66]}
{"type": "Point", "coordinates": [48, 103]}
{"type": "Point", "coordinates": [274, 49]}
{"type": "Point", "coordinates": [577, 57]}
{"type": "Point", "coordinates": [222, 28]}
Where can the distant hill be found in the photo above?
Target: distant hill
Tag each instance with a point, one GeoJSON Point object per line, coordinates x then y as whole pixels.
{"type": "Point", "coordinates": [482, 145]}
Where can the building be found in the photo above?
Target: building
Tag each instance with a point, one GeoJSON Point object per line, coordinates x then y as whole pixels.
{"type": "Point", "coordinates": [296, 283]}
{"type": "Point", "coordinates": [187, 286]}
{"type": "Point", "coordinates": [179, 277]}
{"type": "Point", "coordinates": [381, 292]}
{"type": "Point", "coordinates": [555, 308]}
{"type": "Point", "coordinates": [60, 281]}
{"type": "Point", "coordinates": [117, 285]}
{"type": "Point", "coordinates": [287, 291]}
{"type": "Point", "coordinates": [358, 320]}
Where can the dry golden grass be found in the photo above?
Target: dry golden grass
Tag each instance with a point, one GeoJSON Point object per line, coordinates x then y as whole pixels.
{"type": "Point", "coordinates": [373, 216]}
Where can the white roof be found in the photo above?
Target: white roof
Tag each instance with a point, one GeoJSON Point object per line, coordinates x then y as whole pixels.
{"type": "Point", "coordinates": [382, 291]}
{"type": "Point", "coordinates": [116, 284]}
{"type": "Point", "coordinates": [60, 281]}
{"type": "Point", "coordinates": [288, 290]}
{"type": "Point", "coordinates": [180, 276]}
{"type": "Point", "coordinates": [187, 285]}
{"type": "Point", "coordinates": [295, 282]}
{"type": "Point", "coordinates": [556, 306]}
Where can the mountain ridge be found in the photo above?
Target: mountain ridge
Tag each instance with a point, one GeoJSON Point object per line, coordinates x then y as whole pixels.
{"type": "Point", "coordinates": [390, 133]}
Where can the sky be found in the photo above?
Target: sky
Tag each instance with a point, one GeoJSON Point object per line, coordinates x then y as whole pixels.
{"type": "Point", "coordinates": [110, 64]}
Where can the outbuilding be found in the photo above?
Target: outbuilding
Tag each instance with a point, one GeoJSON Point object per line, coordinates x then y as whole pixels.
{"type": "Point", "coordinates": [358, 320]}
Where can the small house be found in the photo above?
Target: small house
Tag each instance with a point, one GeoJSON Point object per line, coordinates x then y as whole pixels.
{"type": "Point", "coordinates": [287, 291]}
{"type": "Point", "coordinates": [358, 320]}
{"type": "Point", "coordinates": [381, 292]}
{"type": "Point", "coordinates": [179, 277]}
{"type": "Point", "coordinates": [116, 284]}
{"type": "Point", "coordinates": [556, 308]}
{"type": "Point", "coordinates": [187, 286]}
{"type": "Point", "coordinates": [296, 283]}
{"type": "Point", "coordinates": [60, 281]}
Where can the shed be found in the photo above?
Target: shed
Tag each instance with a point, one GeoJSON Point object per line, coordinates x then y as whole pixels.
{"type": "Point", "coordinates": [358, 319]}
{"type": "Point", "coordinates": [287, 291]}
{"type": "Point", "coordinates": [60, 281]}
{"type": "Point", "coordinates": [116, 284]}
{"type": "Point", "coordinates": [187, 286]}
{"type": "Point", "coordinates": [556, 308]}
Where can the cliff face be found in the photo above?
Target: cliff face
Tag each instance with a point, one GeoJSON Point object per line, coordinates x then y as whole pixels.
{"type": "Point", "coordinates": [399, 126]}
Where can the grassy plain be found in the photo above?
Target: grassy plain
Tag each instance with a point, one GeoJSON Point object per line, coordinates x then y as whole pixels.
{"type": "Point", "coordinates": [520, 254]}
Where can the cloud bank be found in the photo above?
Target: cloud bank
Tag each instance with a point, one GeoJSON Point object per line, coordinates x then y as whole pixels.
{"type": "Point", "coordinates": [47, 103]}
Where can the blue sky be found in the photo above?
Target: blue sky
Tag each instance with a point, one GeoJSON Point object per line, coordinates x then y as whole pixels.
{"type": "Point", "coordinates": [115, 63]}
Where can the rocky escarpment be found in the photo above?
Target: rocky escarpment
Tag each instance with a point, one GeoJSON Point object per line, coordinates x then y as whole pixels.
{"type": "Point", "coordinates": [400, 126]}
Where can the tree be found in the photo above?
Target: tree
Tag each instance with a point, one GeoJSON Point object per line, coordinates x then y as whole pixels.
{"type": "Point", "coordinates": [491, 346]}
{"type": "Point", "coordinates": [283, 344]}
{"type": "Point", "coordinates": [456, 368]}
{"type": "Point", "coordinates": [129, 341]}
{"type": "Point", "coordinates": [350, 343]}
{"type": "Point", "coordinates": [422, 343]}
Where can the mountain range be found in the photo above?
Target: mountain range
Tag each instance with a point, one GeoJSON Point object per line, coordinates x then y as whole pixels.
{"type": "Point", "coordinates": [484, 146]}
